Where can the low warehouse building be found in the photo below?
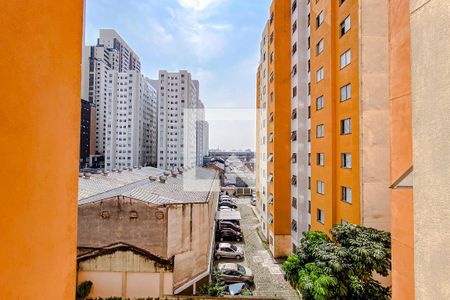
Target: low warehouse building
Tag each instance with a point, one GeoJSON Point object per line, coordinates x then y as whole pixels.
{"type": "Point", "coordinates": [146, 232]}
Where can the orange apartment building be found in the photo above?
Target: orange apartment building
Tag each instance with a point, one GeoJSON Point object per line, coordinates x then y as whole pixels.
{"type": "Point", "coordinates": [349, 114]}
{"type": "Point", "coordinates": [39, 138]}
{"type": "Point", "coordinates": [278, 129]}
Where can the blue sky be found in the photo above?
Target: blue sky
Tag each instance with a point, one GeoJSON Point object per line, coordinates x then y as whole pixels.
{"type": "Point", "coordinates": [216, 40]}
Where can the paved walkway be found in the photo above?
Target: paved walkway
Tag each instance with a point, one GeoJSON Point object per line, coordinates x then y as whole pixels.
{"type": "Point", "coordinates": [269, 280]}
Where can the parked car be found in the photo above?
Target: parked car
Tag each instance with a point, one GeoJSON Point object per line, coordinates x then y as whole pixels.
{"type": "Point", "coordinates": [225, 208]}
{"type": "Point", "coordinates": [231, 272]}
{"type": "Point", "coordinates": [240, 288]}
{"type": "Point", "coordinates": [229, 204]}
{"type": "Point", "coordinates": [253, 201]}
{"type": "Point", "coordinates": [229, 234]}
{"type": "Point", "coordinates": [228, 224]}
{"type": "Point", "coordinates": [227, 199]}
{"type": "Point", "coordinates": [227, 250]}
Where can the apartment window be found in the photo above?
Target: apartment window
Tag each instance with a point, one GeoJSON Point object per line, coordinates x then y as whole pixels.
{"type": "Point", "coordinates": [294, 48]}
{"type": "Point", "coordinates": [309, 135]}
{"type": "Point", "coordinates": [346, 126]}
{"type": "Point", "coordinates": [294, 180]}
{"type": "Point", "coordinates": [320, 159]}
{"type": "Point", "coordinates": [345, 26]}
{"type": "Point", "coordinates": [309, 182]}
{"type": "Point", "coordinates": [271, 77]}
{"type": "Point", "coordinates": [271, 38]}
{"type": "Point", "coordinates": [346, 160]}
{"type": "Point", "coordinates": [340, 2]}
{"type": "Point", "coordinates": [271, 137]}
{"type": "Point", "coordinates": [294, 225]}
{"type": "Point", "coordinates": [309, 20]}
{"type": "Point", "coordinates": [293, 135]}
{"type": "Point", "coordinates": [309, 207]}
{"type": "Point", "coordinates": [294, 114]}
{"type": "Point", "coordinates": [320, 131]}
{"type": "Point", "coordinates": [346, 194]}
{"type": "Point", "coordinates": [294, 91]}
{"type": "Point", "coordinates": [294, 158]}
{"type": "Point", "coordinates": [319, 74]}
{"type": "Point", "coordinates": [309, 112]}
{"type": "Point", "coordinates": [345, 59]}
{"type": "Point", "coordinates": [309, 42]}
{"type": "Point", "coordinates": [319, 19]}
{"type": "Point", "coordinates": [319, 47]}
{"type": "Point", "coordinates": [320, 216]}
{"type": "Point", "coordinates": [309, 159]}
{"type": "Point", "coordinates": [320, 187]}
{"type": "Point", "coordinates": [319, 103]}
{"type": "Point", "coordinates": [271, 57]}
{"type": "Point", "coordinates": [271, 18]}
{"type": "Point", "coordinates": [294, 6]}
{"type": "Point", "coordinates": [294, 70]}
{"type": "Point", "coordinates": [309, 88]}
{"type": "Point", "coordinates": [271, 97]}
{"type": "Point", "coordinates": [294, 26]}
{"type": "Point", "coordinates": [346, 92]}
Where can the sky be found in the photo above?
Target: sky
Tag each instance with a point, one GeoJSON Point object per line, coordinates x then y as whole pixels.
{"type": "Point", "coordinates": [216, 40]}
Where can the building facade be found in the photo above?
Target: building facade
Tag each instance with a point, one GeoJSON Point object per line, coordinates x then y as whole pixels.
{"type": "Point", "coordinates": [278, 129]}
{"type": "Point", "coordinates": [85, 133]}
{"type": "Point", "coordinates": [124, 103]}
{"type": "Point", "coordinates": [202, 134]}
{"type": "Point", "coordinates": [261, 134]}
{"type": "Point", "coordinates": [178, 96]}
{"type": "Point", "coordinates": [349, 114]}
{"type": "Point", "coordinates": [300, 121]}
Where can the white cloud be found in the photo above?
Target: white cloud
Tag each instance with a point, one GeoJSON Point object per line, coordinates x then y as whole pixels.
{"type": "Point", "coordinates": [205, 39]}
{"type": "Point", "coordinates": [198, 4]}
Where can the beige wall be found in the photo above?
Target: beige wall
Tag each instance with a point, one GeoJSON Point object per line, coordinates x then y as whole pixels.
{"type": "Point", "coordinates": [374, 116]}
{"type": "Point", "coordinates": [190, 242]}
{"type": "Point", "coordinates": [126, 274]}
{"type": "Point", "coordinates": [146, 232]}
{"type": "Point", "coordinates": [430, 68]}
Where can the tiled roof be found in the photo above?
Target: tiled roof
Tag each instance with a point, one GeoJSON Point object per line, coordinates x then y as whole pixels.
{"type": "Point", "coordinates": [193, 186]}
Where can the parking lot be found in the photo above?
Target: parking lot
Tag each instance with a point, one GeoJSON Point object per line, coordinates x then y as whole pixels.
{"type": "Point", "coordinates": [268, 277]}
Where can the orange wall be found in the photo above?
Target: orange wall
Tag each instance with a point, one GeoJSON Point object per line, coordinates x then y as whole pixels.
{"type": "Point", "coordinates": [333, 144]}
{"type": "Point", "coordinates": [39, 137]}
{"type": "Point", "coordinates": [258, 142]}
{"type": "Point", "coordinates": [280, 106]}
{"type": "Point", "coordinates": [402, 220]}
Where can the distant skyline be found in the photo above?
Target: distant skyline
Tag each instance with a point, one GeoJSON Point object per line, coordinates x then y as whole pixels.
{"type": "Point", "coordinates": [216, 40]}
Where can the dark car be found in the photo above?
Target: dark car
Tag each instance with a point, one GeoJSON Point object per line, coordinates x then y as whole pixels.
{"type": "Point", "coordinates": [229, 234]}
{"type": "Point", "coordinates": [228, 204]}
{"type": "Point", "coordinates": [228, 224]}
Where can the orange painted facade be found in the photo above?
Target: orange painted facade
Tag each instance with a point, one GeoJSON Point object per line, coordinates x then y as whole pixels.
{"type": "Point", "coordinates": [258, 142]}
{"type": "Point", "coordinates": [279, 126]}
{"type": "Point", "coordinates": [333, 143]}
{"type": "Point", "coordinates": [402, 226]}
{"type": "Point", "coordinates": [39, 137]}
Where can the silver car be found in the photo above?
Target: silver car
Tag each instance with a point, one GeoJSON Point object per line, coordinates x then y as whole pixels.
{"type": "Point", "coordinates": [231, 272]}
{"type": "Point", "coordinates": [227, 250]}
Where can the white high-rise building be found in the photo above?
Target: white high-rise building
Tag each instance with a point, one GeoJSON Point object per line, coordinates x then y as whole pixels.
{"type": "Point", "coordinates": [300, 121]}
{"type": "Point", "coordinates": [178, 96]}
{"type": "Point", "coordinates": [124, 103]}
{"type": "Point", "coordinates": [202, 134]}
{"type": "Point", "coordinates": [262, 198]}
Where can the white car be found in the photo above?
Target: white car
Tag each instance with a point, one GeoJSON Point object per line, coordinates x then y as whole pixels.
{"type": "Point", "coordinates": [227, 250]}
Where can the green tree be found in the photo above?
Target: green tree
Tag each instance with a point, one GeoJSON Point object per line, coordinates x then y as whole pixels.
{"type": "Point", "coordinates": [216, 287]}
{"type": "Point", "coordinates": [342, 267]}
{"type": "Point", "coordinates": [83, 290]}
